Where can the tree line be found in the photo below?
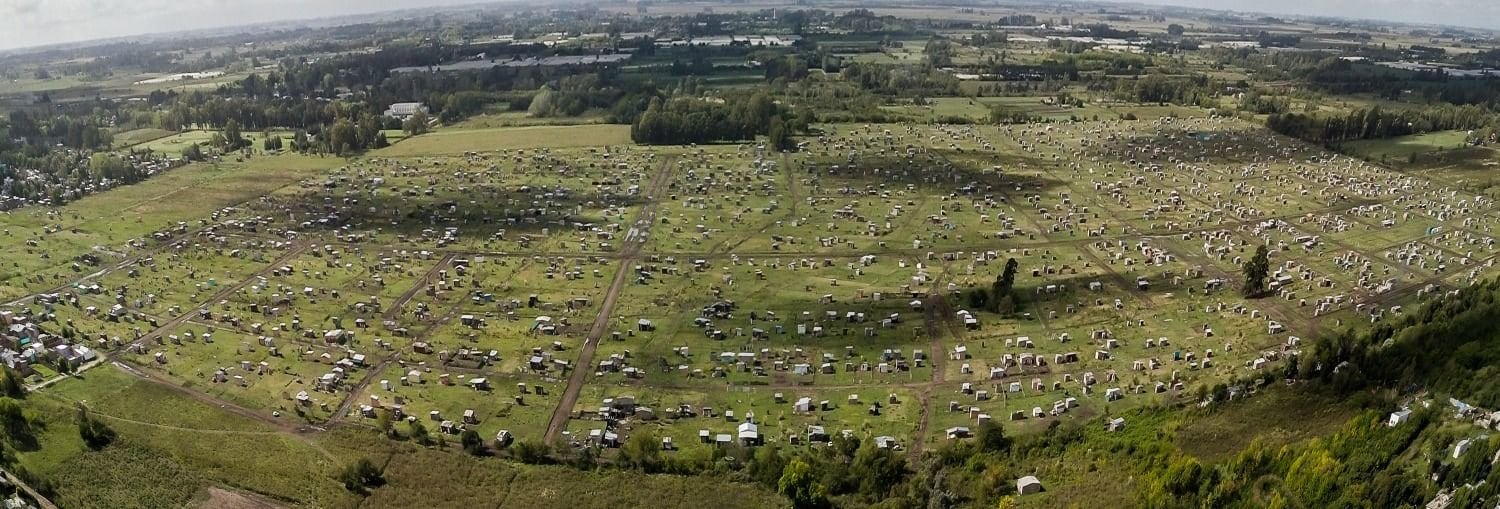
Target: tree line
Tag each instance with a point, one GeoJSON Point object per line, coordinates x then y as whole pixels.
{"type": "Point", "coordinates": [1375, 122]}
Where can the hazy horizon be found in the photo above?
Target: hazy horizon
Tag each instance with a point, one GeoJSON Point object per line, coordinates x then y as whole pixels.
{"type": "Point", "coordinates": [31, 23]}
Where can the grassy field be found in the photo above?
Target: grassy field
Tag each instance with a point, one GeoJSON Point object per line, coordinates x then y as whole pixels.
{"type": "Point", "coordinates": [181, 443]}
{"type": "Point", "coordinates": [135, 137]}
{"type": "Point", "coordinates": [425, 477]}
{"type": "Point", "coordinates": [849, 257]}
{"type": "Point", "coordinates": [1398, 149]}
{"type": "Point", "coordinates": [458, 141]}
{"type": "Point", "coordinates": [173, 144]}
{"type": "Point", "coordinates": [521, 119]}
{"type": "Point", "coordinates": [978, 109]}
{"type": "Point", "coordinates": [107, 220]}
{"type": "Point", "coordinates": [172, 448]}
{"type": "Point", "coordinates": [1280, 416]}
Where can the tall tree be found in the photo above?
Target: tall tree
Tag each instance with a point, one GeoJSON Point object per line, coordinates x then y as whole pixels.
{"type": "Point", "coordinates": [780, 138]}
{"type": "Point", "coordinates": [415, 124]}
{"type": "Point", "coordinates": [799, 483]}
{"type": "Point", "coordinates": [1256, 271]}
{"type": "Point", "coordinates": [233, 139]}
{"type": "Point", "coordinates": [642, 451]}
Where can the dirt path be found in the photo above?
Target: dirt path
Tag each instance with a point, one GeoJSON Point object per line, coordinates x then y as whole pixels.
{"type": "Point", "coordinates": [359, 388]}
{"type": "Point", "coordinates": [630, 253]}
{"type": "Point", "coordinates": [222, 498]}
{"type": "Point", "coordinates": [937, 326]}
{"type": "Point", "coordinates": [396, 307]}
{"type": "Point", "coordinates": [224, 293]}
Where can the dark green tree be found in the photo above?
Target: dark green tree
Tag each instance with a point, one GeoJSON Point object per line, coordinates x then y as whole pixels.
{"type": "Point", "coordinates": [95, 434]}
{"type": "Point", "coordinates": [233, 138]}
{"type": "Point", "coordinates": [799, 483]}
{"type": "Point", "coordinates": [418, 433]}
{"type": "Point", "coordinates": [11, 383]}
{"type": "Point", "coordinates": [192, 152]}
{"type": "Point", "coordinates": [415, 124]}
{"type": "Point", "coordinates": [1256, 271]}
{"type": "Point", "coordinates": [1004, 284]}
{"type": "Point", "coordinates": [990, 437]}
{"type": "Point", "coordinates": [642, 451]}
{"type": "Point", "coordinates": [780, 136]}
{"type": "Point", "coordinates": [360, 476]}
{"type": "Point", "coordinates": [472, 442]}
{"type": "Point", "coordinates": [531, 452]}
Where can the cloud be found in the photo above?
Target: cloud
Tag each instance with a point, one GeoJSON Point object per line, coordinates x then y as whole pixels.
{"type": "Point", "coordinates": [38, 22]}
{"type": "Point", "coordinates": [23, 7]}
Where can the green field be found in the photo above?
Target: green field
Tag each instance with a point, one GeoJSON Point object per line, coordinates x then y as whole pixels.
{"type": "Point", "coordinates": [459, 141]}
{"type": "Point", "coordinates": [1397, 150]}
{"type": "Point", "coordinates": [136, 137]}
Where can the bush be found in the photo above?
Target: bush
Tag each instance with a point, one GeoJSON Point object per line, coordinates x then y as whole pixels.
{"type": "Point", "coordinates": [361, 475]}
{"type": "Point", "coordinates": [472, 442]}
{"type": "Point", "coordinates": [96, 435]}
{"type": "Point", "coordinates": [531, 452]}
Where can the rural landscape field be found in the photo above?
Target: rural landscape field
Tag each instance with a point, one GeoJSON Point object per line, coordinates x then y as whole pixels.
{"type": "Point", "coordinates": [754, 254]}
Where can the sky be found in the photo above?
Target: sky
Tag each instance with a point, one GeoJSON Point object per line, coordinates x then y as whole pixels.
{"type": "Point", "coordinates": [26, 23]}
{"type": "Point", "coordinates": [1470, 13]}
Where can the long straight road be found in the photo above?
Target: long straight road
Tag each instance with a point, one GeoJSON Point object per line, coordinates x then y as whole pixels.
{"type": "Point", "coordinates": [629, 255]}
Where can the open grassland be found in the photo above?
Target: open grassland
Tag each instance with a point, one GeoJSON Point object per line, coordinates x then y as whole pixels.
{"type": "Point", "coordinates": [173, 144]}
{"type": "Point", "coordinates": [1397, 150]}
{"type": "Point", "coordinates": [172, 448]}
{"type": "Point", "coordinates": [978, 109]}
{"type": "Point", "coordinates": [423, 477]}
{"type": "Point", "coordinates": [104, 222]}
{"type": "Point", "coordinates": [1280, 416]}
{"type": "Point", "coordinates": [459, 141]}
{"type": "Point", "coordinates": [520, 119]}
{"type": "Point", "coordinates": [183, 444]}
{"type": "Point", "coordinates": [138, 136]}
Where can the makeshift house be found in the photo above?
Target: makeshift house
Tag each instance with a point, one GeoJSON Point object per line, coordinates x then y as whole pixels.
{"type": "Point", "coordinates": [749, 434]}
{"type": "Point", "coordinates": [1028, 485]}
{"type": "Point", "coordinates": [1398, 417]}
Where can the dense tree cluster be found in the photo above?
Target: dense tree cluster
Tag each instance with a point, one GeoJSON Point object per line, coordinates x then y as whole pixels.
{"type": "Point", "coordinates": [1447, 345]}
{"type": "Point", "coordinates": [1376, 122]}
{"type": "Point", "coordinates": [360, 476]}
{"type": "Point", "coordinates": [901, 80]}
{"type": "Point", "coordinates": [683, 120]}
{"type": "Point", "coordinates": [1160, 88]}
{"type": "Point", "coordinates": [72, 131]}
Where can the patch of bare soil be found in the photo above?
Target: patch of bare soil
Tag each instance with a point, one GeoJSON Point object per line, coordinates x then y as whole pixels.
{"type": "Point", "coordinates": [220, 498]}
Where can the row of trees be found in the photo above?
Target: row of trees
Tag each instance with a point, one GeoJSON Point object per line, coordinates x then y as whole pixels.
{"type": "Point", "coordinates": [1375, 123]}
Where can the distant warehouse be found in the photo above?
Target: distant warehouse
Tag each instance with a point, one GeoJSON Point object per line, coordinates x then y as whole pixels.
{"type": "Point", "coordinates": [404, 110]}
{"type": "Point", "coordinates": [552, 61]}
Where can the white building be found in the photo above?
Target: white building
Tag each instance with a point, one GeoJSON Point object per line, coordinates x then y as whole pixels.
{"type": "Point", "coordinates": [404, 110]}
